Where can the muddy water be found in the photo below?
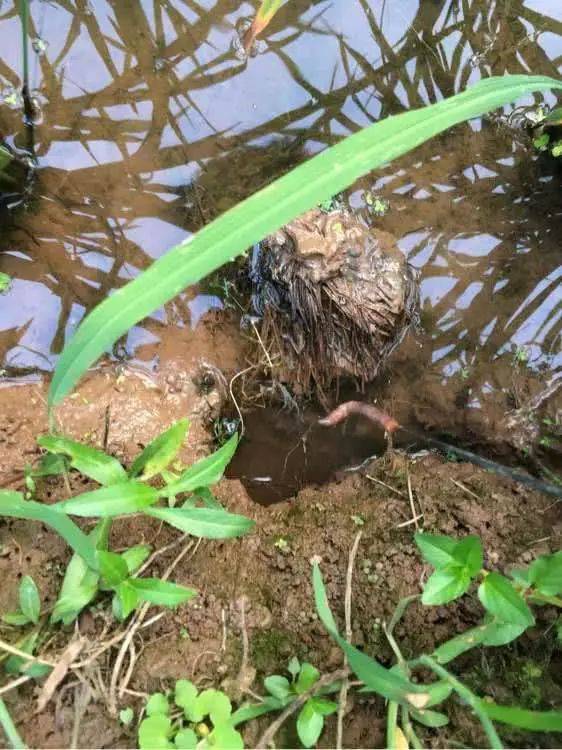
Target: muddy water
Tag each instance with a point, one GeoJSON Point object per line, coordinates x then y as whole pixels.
{"type": "Point", "coordinates": [150, 126]}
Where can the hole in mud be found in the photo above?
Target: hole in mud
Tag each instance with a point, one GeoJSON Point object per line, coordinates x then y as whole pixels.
{"type": "Point", "coordinates": [283, 451]}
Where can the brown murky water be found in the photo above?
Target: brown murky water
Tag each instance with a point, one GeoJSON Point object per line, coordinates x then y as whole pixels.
{"type": "Point", "coordinates": [151, 126]}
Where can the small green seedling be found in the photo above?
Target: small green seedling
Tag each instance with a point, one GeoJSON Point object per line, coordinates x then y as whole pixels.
{"type": "Point", "coordinates": [283, 691]}
{"type": "Point", "coordinates": [506, 601]}
{"type": "Point", "coordinates": [205, 720]}
{"type": "Point", "coordinates": [30, 604]}
{"type": "Point", "coordinates": [93, 567]}
{"type": "Point", "coordinates": [310, 720]}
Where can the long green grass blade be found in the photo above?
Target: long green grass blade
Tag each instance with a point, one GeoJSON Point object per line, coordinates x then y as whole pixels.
{"type": "Point", "coordinates": [12, 504]}
{"type": "Point", "coordinates": [270, 208]}
{"type": "Point", "coordinates": [534, 721]}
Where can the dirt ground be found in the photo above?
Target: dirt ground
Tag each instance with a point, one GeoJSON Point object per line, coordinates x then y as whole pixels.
{"type": "Point", "coordinates": [267, 573]}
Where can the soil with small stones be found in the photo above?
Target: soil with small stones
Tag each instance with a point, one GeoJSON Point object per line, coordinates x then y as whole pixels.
{"type": "Point", "coordinates": [268, 572]}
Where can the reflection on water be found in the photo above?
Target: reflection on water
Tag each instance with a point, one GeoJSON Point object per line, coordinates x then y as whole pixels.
{"type": "Point", "coordinates": [150, 126]}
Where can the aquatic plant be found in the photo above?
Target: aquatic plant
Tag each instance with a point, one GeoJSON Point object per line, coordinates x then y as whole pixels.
{"type": "Point", "coordinates": [262, 19]}
{"type": "Point", "coordinates": [250, 221]}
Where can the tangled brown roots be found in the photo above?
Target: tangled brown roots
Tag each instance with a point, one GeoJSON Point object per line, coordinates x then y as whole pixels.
{"type": "Point", "coordinates": [336, 298]}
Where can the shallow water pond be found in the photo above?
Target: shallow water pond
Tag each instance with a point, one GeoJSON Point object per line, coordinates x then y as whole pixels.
{"type": "Point", "coordinates": [150, 125]}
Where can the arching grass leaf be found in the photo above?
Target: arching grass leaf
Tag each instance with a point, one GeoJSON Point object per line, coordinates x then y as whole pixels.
{"type": "Point", "coordinates": [251, 220]}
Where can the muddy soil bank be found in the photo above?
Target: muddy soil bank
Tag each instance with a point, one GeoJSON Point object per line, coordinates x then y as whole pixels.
{"type": "Point", "coordinates": [268, 572]}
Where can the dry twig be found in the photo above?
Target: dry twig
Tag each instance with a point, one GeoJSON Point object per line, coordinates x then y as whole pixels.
{"type": "Point", "coordinates": [348, 634]}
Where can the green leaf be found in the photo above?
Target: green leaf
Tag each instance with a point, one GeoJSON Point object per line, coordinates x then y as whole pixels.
{"type": "Point", "coordinates": [323, 706]}
{"type": "Point", "coordinates": [205, 472]}
{"type": "Point", "coordinates": [215, 704]}
{"type": "Point", "coordinates": [389, 684]}
{"type": "Point", "coordinates": [445, 585]}
{"type": "Point", "coordinates": [126, 716]}
{"type": "Point", "coordinates": [5, 280]}
{"type": "Point", "coordinates": [185, 696]}
{"type": "Point", "coordinates": [294, 667]}
{"type": "Point", "coordinates": [125, 600]}
{"type": "Point", "coordinates": [154, 733]}
{"type": "Point", "coordinates": [251, 220]}
{"type": "Point", "coordinates": [436, 549]}
{"type": "Point", "coordinates": [19, 665]}
{"type": "Point", "coordinates": [468, 553]}
{"type": "Point", "coordinates": [113, 568]}
{"type": "Point", "coordinates": [13, 505]}
{"type": "Point", "coordinates": [541, 142]}
{"type": "Point", "coordinates": [80, 583]}
{"type": "Point", "coordinates": [545, 574]}
{"type": "Point", "coordinates": [157, 704]}
{"type": "Point", "coordinates": [15, 618]}
{"type": "Point", "coordinates": [452, 648]}
{"type": "Point", "coordinates": [438, 692]}
{"type": "Point", "coordinates": [204, 522]}
{"type": "Point", "coordinates": [207, 497]}
{"type": "Point", "coordinates": [501, 600]}
{"type": "Point", "coordinates": [501, 633]}
{"type": "Point", "coordinates": [429, 718]}
{"type": "Point", "coordinates": [186, 739]}
{"type": "Point", "coordinates": [160, 452]}
{"type": "Point", "coordinates": [534, 721]}
{"type": "Point", "coordinates": [252, 711]}
{"type": "Point", "coordinates": [119, 499]}
{"type": "Point", "coordinates": [135, 556]}
{"type": "Point", "coordinates": [164, 593]}
{"type": "Point", "coordinates": [309, 725]}
{"type": "Point", "coordinates": [307, 677]}
{"type": "Point", "coordinates": [30, 602]}
{"type": "Point", "coordinates": [277, 686]}
{"type": "Point", "coordinates": [50, 465]}
{"type": "Point", "coordinates": [87, 460]}
{"type": "Point", "coordinates": [225, 737]}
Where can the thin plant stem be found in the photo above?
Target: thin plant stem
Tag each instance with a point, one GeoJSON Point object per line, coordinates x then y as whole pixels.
{"type": "Point", "coordinates": [467, 695]}
{"type": "Point", "coordinates": [24, 15]}
{"type": "Point", "coordinates": [12, 735]}
{"type": "Point", "coordinates": [411, 736]}
{"type": "Point", "coordinates": [391, 719]}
